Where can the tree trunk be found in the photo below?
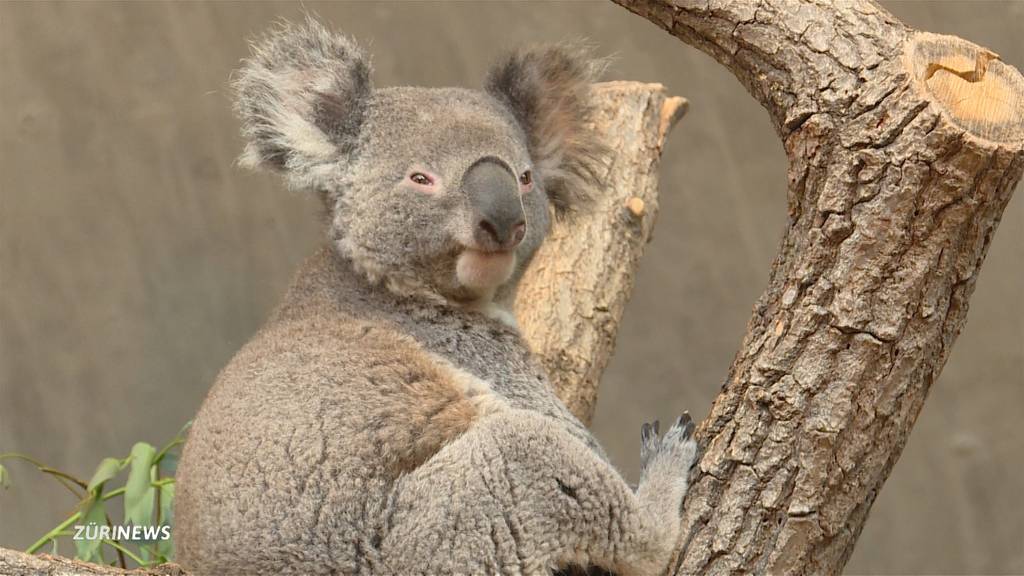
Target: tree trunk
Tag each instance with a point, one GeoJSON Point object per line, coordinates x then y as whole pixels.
{"type": "Point", "coordinates": [904, 148]}
{"type": "Point", "coordinates": [572, 297]}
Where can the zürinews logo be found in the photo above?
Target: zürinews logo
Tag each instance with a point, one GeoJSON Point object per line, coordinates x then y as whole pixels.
{"type": "Point", "coordinates": [94, 531]}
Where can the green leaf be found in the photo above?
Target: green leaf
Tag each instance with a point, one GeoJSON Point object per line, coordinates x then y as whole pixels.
{"type": "Point", "coordinates": [169, 464]}
{"type": "Point", "coordinates": [165, 548]}
{"type": "Point", "coordinates": [94, 516]}
{"type": "Point", "coordinates": [166, 503]}
{"type": "Point", "coordinates": [108, 468]}
{"type": "Point", "coordinates": [138, 494]}
{"type": "Point", "coordinates": [5, 478]}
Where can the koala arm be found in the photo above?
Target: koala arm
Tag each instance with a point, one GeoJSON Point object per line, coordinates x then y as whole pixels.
{"type": "Point", "coordinates": [517, 494]}
{"type": "Point", "coordinates": [304, 432]}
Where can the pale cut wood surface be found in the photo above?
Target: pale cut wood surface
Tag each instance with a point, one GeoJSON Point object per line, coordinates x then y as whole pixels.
{"type": "Point", "coordinates": [980, 93]}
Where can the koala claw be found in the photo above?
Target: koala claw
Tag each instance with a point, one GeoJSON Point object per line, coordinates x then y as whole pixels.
{"type": "Point", "coordinates": [686, 425]}
{"type": "Point", "coordinates": [680, 431]}
{"type": "Point", "coordinates": [648, 442]}
{"type": "Point", "coordinates": [677, 444]}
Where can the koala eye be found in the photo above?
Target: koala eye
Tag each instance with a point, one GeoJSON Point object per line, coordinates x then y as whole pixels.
{"type": "Point", "coordinates": [526, 178]}
{"type": "Point", "coordinates": [421, 179]}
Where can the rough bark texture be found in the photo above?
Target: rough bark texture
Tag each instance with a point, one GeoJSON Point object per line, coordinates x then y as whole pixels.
{"type": "Point", "coordinates": [572, 300]}
{"type": "Point", "coordinates": [573, 296]}
{"type": "Point", "coordinates": [14, 563]}
{"type": "Point", "coordinates": [904, 148]}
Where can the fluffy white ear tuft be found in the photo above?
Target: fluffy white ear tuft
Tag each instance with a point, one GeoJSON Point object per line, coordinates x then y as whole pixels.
{"type": "Point", "coordinates": [301, 97]}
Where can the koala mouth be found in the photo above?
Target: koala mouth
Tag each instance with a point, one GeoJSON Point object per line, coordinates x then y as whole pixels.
{"type": "Point", "coordinates": [482, 271]}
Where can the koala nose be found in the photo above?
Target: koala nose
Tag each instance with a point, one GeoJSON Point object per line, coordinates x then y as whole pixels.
{"type": "Point", "coordinates": [502, 237]}
{"type": "Point", "coordinates": [498, 219]}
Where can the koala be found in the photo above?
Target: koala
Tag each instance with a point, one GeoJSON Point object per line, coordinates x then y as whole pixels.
{"type": "Point", "coordinates": [389, 418]}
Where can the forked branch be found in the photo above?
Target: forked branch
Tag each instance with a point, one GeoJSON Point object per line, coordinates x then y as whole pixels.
{"type": "Point", "coordinates": [904, 148]}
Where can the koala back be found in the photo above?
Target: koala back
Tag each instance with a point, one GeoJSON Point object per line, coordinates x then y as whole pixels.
{"type": "Point", "coordinates": [295, 448]}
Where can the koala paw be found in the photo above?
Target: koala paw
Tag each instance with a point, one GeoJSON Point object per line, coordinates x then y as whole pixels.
{"type": "Point", "coordinates": [677, 449]}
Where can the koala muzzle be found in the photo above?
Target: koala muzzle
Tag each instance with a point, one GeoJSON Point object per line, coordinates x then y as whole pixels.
{"type": "Point", "coordinates": [496, 210]}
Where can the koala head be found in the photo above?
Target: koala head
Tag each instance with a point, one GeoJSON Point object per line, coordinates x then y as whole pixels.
{"type": "Point", "coordinates": [438, 192]}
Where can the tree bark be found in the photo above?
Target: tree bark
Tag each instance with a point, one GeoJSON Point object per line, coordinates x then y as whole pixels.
{"type": "Point", "coordinates": [572, 297]}
{"type": "Point", "coordinates": [904, 148]}
{"type": "Point", "coordinates": [14, 563]}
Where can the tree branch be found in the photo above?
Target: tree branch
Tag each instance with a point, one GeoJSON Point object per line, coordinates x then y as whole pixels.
{"type": "Point", "coordinates": [573, 295]}
{"type": "Point", "coordinates": [13, 563]}
{"type": "Point", "coordinates": [904, 149]}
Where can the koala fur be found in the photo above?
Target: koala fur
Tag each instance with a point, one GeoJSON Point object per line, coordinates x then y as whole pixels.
{"type": "Point", "coordinates": [389, 418]}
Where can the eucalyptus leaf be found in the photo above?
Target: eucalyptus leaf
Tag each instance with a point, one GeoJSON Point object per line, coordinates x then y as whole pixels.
{"type": "Point", "coordinates": [166, 503]}
{"type": "Point", "coordinates": [5, 478]}
{"type": "Point", "coordinates": [165, 548]}
{"type": "Point", "coordinates": [139, 494]}
{"type": "Point", "coordinates": [169, 463]}
{"type": "Point", "coordinates": [94, 516]}
{"type": "Point", "coordinates": [108, 468]}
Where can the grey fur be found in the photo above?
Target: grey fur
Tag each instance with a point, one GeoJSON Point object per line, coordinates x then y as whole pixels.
{"type": "Point", "coordinates": [388, 418]}
{"type": "Point", "coordinates": [301, 98]}
{"type": "Point", "coordinates": [547, 90]}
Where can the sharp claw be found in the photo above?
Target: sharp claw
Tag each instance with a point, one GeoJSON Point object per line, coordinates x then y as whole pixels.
{"type": "Point", "coordinates": [648, 432]}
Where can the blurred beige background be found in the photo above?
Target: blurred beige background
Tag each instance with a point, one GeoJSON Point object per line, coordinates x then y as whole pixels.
{"type": "Point", "coordinates": [135, 258]}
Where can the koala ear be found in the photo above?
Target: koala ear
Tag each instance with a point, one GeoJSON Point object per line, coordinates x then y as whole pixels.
{"type": "Point", "coordinates": [548, 90]}
{"type": "Point", "coordinates": [301, 98]}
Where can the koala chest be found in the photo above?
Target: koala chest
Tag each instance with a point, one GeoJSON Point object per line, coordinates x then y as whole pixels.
{"type": "Point", "coordinates": [496, 355]}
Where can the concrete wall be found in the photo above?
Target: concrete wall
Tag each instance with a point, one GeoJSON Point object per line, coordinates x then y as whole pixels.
{"type": "Point", "coordinates": [135, 258]}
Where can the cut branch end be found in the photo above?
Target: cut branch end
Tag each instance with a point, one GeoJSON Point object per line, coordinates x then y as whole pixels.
{"type": "Point", "coordinates": [970, 84]}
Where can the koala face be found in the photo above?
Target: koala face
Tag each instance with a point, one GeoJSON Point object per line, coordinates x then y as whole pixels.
{"type": "Point", "coordinates": [440, 192]}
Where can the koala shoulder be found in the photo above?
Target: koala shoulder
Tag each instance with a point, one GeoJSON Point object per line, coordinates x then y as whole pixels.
{"type": "Point", "coordinates": [367, 379]}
